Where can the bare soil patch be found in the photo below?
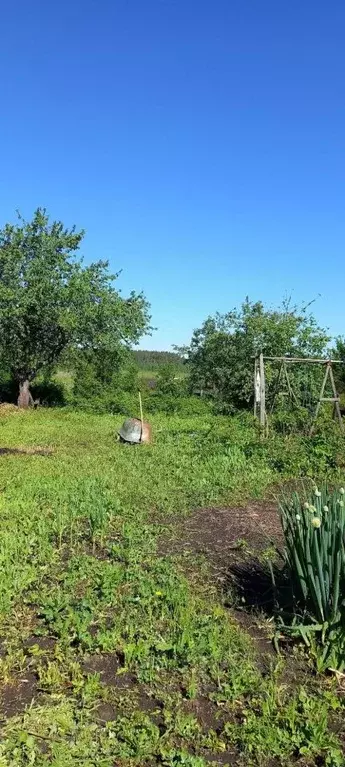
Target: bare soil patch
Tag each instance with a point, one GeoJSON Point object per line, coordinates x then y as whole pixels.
{"type": "Point", "coordinates": [108, 666]}
{"type": "Point", "coordinates": [222, 534]}
{"type": "Point", "coordinates": [233, 540]}
{"type": "Point", "coordinates": [14, 698]}
{"type": "Point", "coordinates": [209, 716]}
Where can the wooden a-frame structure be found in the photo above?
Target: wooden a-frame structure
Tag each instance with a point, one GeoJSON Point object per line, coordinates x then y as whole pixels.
{"type": "Point", "coordinates": [283, 378]}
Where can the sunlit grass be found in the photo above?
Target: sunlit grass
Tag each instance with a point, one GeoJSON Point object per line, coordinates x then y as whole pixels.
{"type": "Point", "coordinates": [80, 567]}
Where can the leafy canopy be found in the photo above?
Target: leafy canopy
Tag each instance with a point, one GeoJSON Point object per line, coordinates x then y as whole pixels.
{"type": "Point", "coordinates": [221, 351]}
{"type": "Point", "coordinates": [50, 301]}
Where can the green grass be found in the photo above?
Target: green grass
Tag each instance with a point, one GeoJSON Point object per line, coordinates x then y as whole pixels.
{"type": "Point", "coordinates": [179, 372]}
{"type": "Point", "coordinates": [65, 378]}
{"type": "Point", "coordinates": [82, 582]}
{"type": "Point", "coordinates": [147, 374]}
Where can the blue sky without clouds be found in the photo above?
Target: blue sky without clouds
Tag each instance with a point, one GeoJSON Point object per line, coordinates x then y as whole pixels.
{"type": "Point", "coordinates": [199, 142]}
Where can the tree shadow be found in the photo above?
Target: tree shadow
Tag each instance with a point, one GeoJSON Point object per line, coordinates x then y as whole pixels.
{"type": "Point", "coordinates": [17, 451]}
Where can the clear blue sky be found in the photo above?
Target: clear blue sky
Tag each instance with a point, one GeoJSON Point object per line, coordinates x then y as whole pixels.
{"type": "Point", "coordinates": [201, 143]}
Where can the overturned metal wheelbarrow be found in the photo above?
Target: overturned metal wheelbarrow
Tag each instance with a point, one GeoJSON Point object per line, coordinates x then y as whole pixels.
{"type": "Point", "coordinates": [134, 430]}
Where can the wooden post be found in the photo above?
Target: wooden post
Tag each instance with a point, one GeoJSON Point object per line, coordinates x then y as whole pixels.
{"type": "Point", "coordinates": [276, 388]}
{"type": "Point", "coordinates": [334, 399]}
{"type": "Point", "coordinates": [141, 415]}
{"type": "Point", "coordinates": [259, 371]}
{"type": "Point", "coordinates": [319, 400]}
{"type": "Point", "coordinates": [262, 392]}
{"type": "Point", "coordinates": [255, 375]}
{"type": "Point", "coordinates": [292, 394]}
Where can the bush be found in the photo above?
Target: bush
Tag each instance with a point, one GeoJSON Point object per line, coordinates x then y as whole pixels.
{"type": "Point", "coordinates": [299, 456]}
{"type": "Point", "coordinates": [290, 420]}
{"type": "Point", "coordinates": [183, 406]}
{"type": "Point", "coordinates": [168, 383]}
{"type": "Point", "coordinates": [114, 393]}
{"type": "Point", "coordinates": [124, 403]}
{"type": "Point", "coordinates": [315, 558]}
{"type": "Point", "coordinates": [8, 388]}
{"type": "Point", "coordinates": [119, 393]}
{"type": "Point", "coordinates": [49, 393]}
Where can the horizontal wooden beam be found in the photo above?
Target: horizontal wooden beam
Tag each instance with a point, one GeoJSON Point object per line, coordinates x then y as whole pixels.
{"type": "Point", "coordinates": [304, 359]}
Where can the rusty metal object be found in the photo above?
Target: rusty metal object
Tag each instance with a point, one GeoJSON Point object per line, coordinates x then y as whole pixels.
{"type": "Point", "coordinates": [135, 431]}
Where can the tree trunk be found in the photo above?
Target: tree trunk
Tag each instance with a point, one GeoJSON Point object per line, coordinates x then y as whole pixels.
{"type": "Point", "coordinates": [25, 397]}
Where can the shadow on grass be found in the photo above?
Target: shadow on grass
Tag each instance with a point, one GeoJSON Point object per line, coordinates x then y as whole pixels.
{"type": "Point", "coordinates": [17, 451]}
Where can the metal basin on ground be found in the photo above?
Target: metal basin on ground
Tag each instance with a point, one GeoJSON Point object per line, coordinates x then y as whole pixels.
{"type": "Point", "coordinates": [134, 431]}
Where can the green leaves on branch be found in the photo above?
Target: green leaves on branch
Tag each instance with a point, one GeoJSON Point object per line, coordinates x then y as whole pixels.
{"type": "Point", "coordinates": [221, 351]}
{"type": "Point", "coordinates": [51, 302]}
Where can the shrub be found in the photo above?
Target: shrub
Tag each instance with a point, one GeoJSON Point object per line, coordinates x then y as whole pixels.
{"type": "Point", "coordinates": [112, 393]}
{"type": "Point", "coordinates": [8, 387]}
{"type": "Point", "coordinates": [315, 557]}
{"type": "Point", "coordinates": [183, 406]}
{"type": "Point", "coordinates": [124, 403]}
{"type": "Point", "coordinates": [169, 383]}
{"type": "Point", "coordinates": [300, 456]}
{"type": "Point", "coordinates": [49, 393]}
{"type": "Point", "coordinates": [291, 420]}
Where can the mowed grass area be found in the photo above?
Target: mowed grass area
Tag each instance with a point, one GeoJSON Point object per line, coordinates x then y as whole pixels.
{"type": "Point", "coordinates": [114, 651]}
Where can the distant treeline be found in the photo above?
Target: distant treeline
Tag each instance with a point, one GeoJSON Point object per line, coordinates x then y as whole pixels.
{"type": "Point", "coordinates": [150, 360]}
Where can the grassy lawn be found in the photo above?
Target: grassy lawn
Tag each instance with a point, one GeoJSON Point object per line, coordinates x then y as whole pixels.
{"type": "Point", "coordinates": [116, 649]}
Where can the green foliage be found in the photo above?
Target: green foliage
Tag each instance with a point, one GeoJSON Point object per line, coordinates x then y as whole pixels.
{"type": "Point", "coordinates": [183, 406]}
{"type": "Point", "coordinates": [151, 360]}
{"type": "Point", "coordinates": [221, 352]}
{"type": "Point", "coordinates": [314, 533]}
{"type": "Point", "coordinates": [49, 301]}
{"type": "Point", "coordinates": [8, 386]}
{"type": "Point", "coordinates": [118, 393]}
{"type": "Point", "coordinates": [49, 393]}
{"type": "Point", "coordinates": [274, 729]}
{"type": "Point", "coordinates": [295, 455]}
{"type": "Point", "coordinates": [170, 395]}
{"type": "Point", "coordinates": [168, 383]}
{"type": "Point", "coordinates": [102, 382]}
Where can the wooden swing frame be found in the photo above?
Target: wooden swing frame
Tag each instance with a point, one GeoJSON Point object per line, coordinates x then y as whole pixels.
{"type": "Point", "coordinates": [259, 375]}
